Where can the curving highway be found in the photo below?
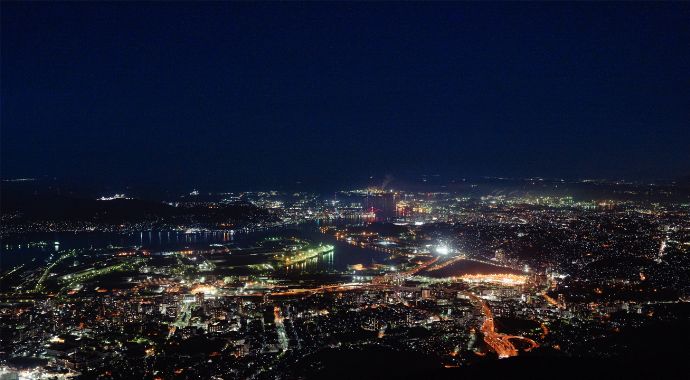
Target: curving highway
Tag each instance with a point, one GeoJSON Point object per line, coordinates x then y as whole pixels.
{"type": "Point", "coordinates": [501, 343]}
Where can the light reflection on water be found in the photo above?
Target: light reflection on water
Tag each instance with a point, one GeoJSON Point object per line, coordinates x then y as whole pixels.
{"type": "Point", "coordinates": [15, 250]}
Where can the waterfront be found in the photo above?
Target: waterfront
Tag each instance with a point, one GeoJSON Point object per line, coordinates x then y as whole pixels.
{"type": "Point", "coordinates": [35, 248]}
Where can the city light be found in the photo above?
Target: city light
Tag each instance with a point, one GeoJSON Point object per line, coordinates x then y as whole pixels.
{"type": "Point", "coordinates": [325, 190]}
{"type": "Point", "coordinates": [205, 289]}
{"type": "Point", "coordinates": [442, 250]}
{"type": "Point", "coordinates": [500, 278]}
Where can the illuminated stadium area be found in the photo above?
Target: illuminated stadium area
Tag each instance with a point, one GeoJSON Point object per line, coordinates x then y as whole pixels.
{"type": "Point", "coordinates": [498, 278]}
{"type": "Point", "coordinates": [207, 290]}
{"type": "Point", "coordinates": [473, 271]}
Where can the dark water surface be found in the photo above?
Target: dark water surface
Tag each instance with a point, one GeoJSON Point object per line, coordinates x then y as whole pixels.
{"type": "Point", "coordinates": [16, 249]}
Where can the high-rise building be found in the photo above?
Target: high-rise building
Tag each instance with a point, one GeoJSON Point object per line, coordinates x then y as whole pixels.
{"type": "Point", "coordinates": [199, 298]}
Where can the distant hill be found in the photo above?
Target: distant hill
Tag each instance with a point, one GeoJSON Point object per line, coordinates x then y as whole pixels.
{"type": "Point", "coordinates": [41, 206]}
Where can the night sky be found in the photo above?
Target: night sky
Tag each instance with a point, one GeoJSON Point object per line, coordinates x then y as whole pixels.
{"type": "Point", "coordinates": [240, 96]}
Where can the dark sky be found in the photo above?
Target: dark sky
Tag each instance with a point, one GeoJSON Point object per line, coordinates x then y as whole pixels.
{"type": "Point", "coordinates": [250, 95]}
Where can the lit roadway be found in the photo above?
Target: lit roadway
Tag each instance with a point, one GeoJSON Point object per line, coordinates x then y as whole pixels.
{"type": "Point", "coordinates": [420, 268]}
{"type": "Point", "coordinates": [322, 289]}
{"type": "Point", "coordinates": [44, 277]}
{"type": "Point", "coordinates": [500, 343]}
{"type": "Point", "coordinates": [549, 299]}
{"type": "Point", "coordinates": [280, 327]}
